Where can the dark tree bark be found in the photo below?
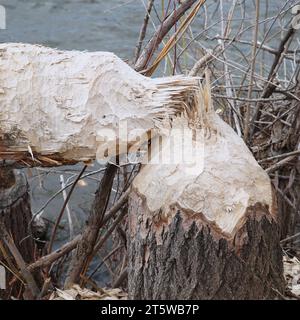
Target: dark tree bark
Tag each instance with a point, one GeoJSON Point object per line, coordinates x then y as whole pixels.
{"type": "Point", "coordinates": [195, 260]}
{"type": "Point", "coordinates": [15, 213]}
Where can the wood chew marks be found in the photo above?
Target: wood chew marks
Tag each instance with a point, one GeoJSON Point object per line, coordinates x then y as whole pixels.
{"type": "Point", "coordinates": [206, 230]}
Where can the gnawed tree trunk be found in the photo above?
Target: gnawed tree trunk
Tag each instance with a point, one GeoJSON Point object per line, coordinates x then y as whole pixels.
{"type": "Point", "coordinates": [61, 107]}
{"type": "Point", "coordinates": [207, 229]}
{"type": "Point", "coordinates": [15, 213]}
{"type": "Point", "coordinates": [194, 260]}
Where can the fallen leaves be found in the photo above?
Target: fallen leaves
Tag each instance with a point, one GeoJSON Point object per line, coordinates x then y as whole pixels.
{"type": "Point", "coordinates": [292, 274]}
{"type": "Point", "coordinates": [77, 293]}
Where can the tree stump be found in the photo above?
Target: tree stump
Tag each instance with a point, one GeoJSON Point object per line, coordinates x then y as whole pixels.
{"type": "Point", "coordinates": [188, 257]}
{"type": "Point", "coordinates": [15, 212]}
{"type": "Point", "coordinates": [207, 229]}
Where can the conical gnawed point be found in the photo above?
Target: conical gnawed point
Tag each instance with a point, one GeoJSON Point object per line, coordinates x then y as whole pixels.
{"type": "Point", "coordinates": [209, 225]}
{"type": "Point", "coordinates": [197, 184]}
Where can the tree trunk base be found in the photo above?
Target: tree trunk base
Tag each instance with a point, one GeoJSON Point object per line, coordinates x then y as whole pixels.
{"type": "Point", "coordinates": [187, 257]}
{"type": "Point", "coordinates": [15, 212]}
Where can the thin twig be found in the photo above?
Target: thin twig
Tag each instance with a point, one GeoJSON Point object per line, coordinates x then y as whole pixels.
{"type": "Point", "coordinates": [143, 30]}
{"type": "Point", "coordinates": [255, 35]}
{"type": "Point", "coordinates": [31, 283]}
{"type": "Point", "coordinates": [63, 209]}
{"type": "Point", "coordinates": [120, 279]}
{"type": "Point", "coordinates": [280, 164]}
{"type": "Point", "coordinates": [71, 227]}
{"type": "Point", "coordinates": [155, 41]}
{"type": "Point", "coordinates": [284, 155]}
{"type": "Point", "coordinates": [80, 259]}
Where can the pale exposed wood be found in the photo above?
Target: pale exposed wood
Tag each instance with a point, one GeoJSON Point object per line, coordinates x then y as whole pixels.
{"type": "Point", "coordinates": [59, 107]}
{"type": "Point", "coordinates": [221, 180]}
{"type": "Point", "coordinates": [208, 229]}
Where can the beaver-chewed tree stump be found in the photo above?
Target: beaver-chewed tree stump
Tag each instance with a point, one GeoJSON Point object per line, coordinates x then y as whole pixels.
{"type": "Point", "coordinates": [206, 229]}
{"type": "Point", "coordinates": [187, 257]}
{"type": "Point", "coordinates": [15, 212]}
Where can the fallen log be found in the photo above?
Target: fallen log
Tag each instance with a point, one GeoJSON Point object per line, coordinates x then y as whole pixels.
{"type": "Point", "coordinates": [59, 107]}
{"type": "Point", "coordinates": [207, 229]}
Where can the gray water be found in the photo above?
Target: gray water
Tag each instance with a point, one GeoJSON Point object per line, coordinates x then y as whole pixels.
{"type": "Point", "coordinates": [98, 24]}
{"type": "Point", "coordinates": [75, 24]}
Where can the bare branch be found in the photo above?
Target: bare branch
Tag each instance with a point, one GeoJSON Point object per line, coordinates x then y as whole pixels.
{"type": "Point", "coordinates": [155, 41]}
{"type": "Point", "coordinates": [143, 31]}
{"type": "Point", "coordinates": [31, 283]}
